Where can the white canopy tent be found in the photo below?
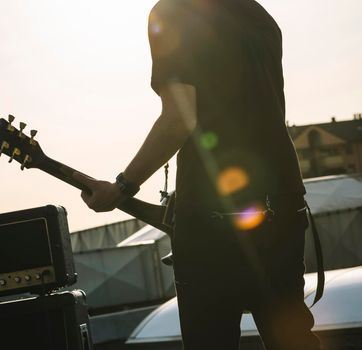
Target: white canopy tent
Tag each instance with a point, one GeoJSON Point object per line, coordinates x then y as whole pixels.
{"type": "Point", "coordinates": [106, 236]}
{"type": "Point", "coordinates": [129, 271]}
{"type": "Point", "coordinates": [340, 308]}
{"type": "Point", "coordinates": [336, 204]}
{"type": "Point", "coordinates": [334, 193]}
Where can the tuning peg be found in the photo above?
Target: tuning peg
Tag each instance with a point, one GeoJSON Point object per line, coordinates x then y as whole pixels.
{"type": "Point", "coordinates": [10, 119]}
{"type": "Point", "coordinates": [16, 152]}
{"type": "Point", "coordinates": [4, 145]}
{"type": "Point", "coordinates": [22, 127]}
{"type": "Point", "coordinates": [27, 159]}
{"type": "Point", "coordinates": [32, 134]}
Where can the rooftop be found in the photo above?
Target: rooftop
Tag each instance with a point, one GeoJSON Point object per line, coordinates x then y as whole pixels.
{"type": "Point", "coordinates": [349, 130]}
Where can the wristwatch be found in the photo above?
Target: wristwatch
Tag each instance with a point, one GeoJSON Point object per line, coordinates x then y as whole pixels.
{"type": "Point", "coordinates": [127, 187]}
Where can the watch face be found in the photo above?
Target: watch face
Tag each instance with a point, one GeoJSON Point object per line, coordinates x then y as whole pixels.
{"type": "Point", "coordinates": [121, 185]}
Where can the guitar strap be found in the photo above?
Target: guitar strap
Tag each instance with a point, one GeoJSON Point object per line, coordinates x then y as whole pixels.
{"type": "Point", "coordinates": [317, 244]}
{"type": "Point", "coordinates": [319, 257]}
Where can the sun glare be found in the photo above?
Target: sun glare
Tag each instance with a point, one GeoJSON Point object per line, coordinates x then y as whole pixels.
{"type": "Point", "coordinates": [250, 218]}
{"type": "Point", "coordinates": [231, 180]}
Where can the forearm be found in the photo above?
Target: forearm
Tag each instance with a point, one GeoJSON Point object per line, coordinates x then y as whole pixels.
{"type": "Point", "coordinates": [176, 123]}
{"type": "Point", "coordinates": [164, 139]}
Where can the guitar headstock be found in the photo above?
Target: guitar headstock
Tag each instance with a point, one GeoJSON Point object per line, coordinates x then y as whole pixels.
{"type": "Point", "coordinates": [18, 146]}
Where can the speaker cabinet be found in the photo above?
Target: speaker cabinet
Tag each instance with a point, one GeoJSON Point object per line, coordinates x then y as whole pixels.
{"type": "Point", "coordinates": [57, 321]}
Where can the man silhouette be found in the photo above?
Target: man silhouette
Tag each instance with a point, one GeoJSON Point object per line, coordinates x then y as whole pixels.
{"type": "Point", "coordinates": [238, 240]}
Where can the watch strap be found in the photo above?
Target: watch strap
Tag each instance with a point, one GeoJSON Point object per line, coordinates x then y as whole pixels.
{"type": "Point", "coordinates": [127, 187]}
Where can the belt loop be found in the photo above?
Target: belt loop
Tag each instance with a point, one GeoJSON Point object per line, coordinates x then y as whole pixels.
{"type": "Point", "coordinates": [269, 211]}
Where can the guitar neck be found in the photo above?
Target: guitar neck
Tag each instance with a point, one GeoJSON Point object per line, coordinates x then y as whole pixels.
{"type": "Point", "coordinates": [151, 214]}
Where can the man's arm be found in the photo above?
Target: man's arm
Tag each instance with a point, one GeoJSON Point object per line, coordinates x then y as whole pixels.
{"type": "Point", "coordinates": [175, 124]}
{"type": "Point", "coordinates": [172, 128]}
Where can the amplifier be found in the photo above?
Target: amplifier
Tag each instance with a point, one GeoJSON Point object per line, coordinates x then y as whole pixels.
{"type": "Point", "coordinates": [35, 251]}
{"type": "Point", "coordinates": [56, 321]}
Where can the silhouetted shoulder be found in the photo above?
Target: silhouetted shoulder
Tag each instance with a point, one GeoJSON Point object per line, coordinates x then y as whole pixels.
{"type": "Point", "coordinates": [166, 8]}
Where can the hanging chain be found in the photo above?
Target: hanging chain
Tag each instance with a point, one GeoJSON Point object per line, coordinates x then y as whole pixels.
{"type": "Point", "coordinates": [164, 193]}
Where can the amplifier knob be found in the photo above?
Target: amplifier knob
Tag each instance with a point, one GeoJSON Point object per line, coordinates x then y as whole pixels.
{"type": "Point", "coordinates": [27, 278]}
{"type": "Point", "coordinates": [38, 276]}
{"type": "Point", "coordinates": [2, 283]}
{"type": "Point", "coordinates": [17, 279]}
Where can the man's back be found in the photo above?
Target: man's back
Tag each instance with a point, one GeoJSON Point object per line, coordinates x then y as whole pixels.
{"type": "Point", "coordinates": [231, 51]}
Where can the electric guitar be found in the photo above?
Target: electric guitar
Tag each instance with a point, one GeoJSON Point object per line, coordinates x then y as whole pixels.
{"type": "Point", "coordinates": [27, 151]}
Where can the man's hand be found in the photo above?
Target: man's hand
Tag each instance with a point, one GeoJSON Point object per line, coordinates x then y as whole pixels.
{"type": "Point", "coordinates": [103, 196]}
{"type": "Point", "coordinates": [170, 131]}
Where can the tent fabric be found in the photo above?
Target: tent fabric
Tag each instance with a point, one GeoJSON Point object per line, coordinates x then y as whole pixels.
{"type": "Point", "coordinates": [334, 193]}
{"type": "Point", "coordinates": [341, 240]}
{"type": "Point", "coordinates": [118, 325]}
{"type": "Point", "coordinates": [104, 236]}
{"type": "Point", "coordinates": [337, 309]}
{"type": "Point", "coordinates": [147, 234]}
{"type": "Point", "coordinates": [122, 276]}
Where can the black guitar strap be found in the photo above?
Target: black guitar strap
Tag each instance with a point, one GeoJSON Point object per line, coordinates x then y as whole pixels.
{"type": "Point", "coordinates": [319, 257]}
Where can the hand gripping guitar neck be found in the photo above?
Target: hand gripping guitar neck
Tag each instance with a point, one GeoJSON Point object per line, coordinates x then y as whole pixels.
{"type": "Point", "coordinates": [27, 151]}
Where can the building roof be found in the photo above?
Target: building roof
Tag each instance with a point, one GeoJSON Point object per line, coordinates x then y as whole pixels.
{"type": "Point", "coordinates": [349, 130]}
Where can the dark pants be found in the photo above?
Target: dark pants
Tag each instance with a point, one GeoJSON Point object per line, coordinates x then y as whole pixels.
{"type": "Point", "coordinates": [220, 272]}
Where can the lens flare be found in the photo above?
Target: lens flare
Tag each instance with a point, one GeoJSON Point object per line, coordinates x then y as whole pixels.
{"type": "Point", "coordinates": [156, 27]}
{"type": "Point", "coordinates": [209, 140]}
{"type": "Point", "coordinates": [164, 36]}
{"type": "Point", "coordinates": [250, 218]}
{"type": "Point", "coordinates": [232, 179]}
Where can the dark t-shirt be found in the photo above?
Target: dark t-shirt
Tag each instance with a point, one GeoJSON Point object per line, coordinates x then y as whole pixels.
{"type": "Point", "coordinates": [231, 51]}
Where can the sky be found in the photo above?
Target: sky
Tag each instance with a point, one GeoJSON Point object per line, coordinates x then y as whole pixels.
{"type": "Point", "coordinates": [79, 72]}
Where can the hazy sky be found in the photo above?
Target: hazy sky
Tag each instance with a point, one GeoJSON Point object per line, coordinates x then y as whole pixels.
{"type": "Point", "coordinates": [79, 73]}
